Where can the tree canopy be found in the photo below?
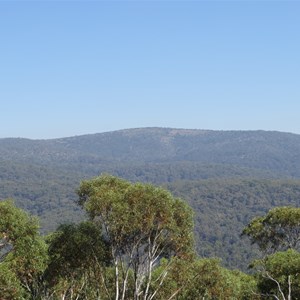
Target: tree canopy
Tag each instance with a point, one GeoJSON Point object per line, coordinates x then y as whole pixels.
{"type": "Point", "coordinates": [141, 223]}
{"type": "Point", "coordinates": [23, 251]}
{"type": "Point", "coordinates": [279, 229]}
{"type": "Point", "coordinates": [277, 234]}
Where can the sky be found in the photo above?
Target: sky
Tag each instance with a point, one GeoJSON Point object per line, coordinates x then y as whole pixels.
{"type": "Point", "coordinates": [79, 67]}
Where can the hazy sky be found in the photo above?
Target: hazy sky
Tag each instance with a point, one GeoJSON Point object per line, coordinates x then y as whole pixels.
{"type": "Point", "coordinates": [76, 67]}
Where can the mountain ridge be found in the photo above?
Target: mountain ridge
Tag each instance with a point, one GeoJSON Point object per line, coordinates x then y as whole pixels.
{"type": "Point", "coordinates": [154, 128]}
{"type": "Point", "coordinates": [269, 150]}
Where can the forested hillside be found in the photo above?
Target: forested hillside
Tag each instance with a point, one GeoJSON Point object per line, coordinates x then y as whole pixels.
{"type": "Point", "coordinates": [275, 151]}
{"type": "Point", "coordinates": [223, 208]}
{"type": "Point", "coordinates": [226, 176]}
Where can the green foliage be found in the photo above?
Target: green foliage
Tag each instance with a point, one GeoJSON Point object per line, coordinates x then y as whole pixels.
{"type": "Point", "coordinates": [142, 224]}
{"type": "Point", "coordinates": [279, 229]}
{"type": "Point", "coordinates": [205, 279]}
{"type": "Point", "coordinates": [10, 285]}
{"type": "Point", "coordinates": [74, 248]}
{"type": "Point", "coordinates": [212, 281]}
{"type": "Point", "coordinates": [24, 252]}
{"type": "Point", "coordinates": [279, 274]}
{"type": "Point", "coordinates": [135, 212]}
{"type": "Point", "coordinates": [78, 257]}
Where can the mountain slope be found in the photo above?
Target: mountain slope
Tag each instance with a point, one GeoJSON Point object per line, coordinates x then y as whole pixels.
{"type": "Point", "coordinates": [275, 151]}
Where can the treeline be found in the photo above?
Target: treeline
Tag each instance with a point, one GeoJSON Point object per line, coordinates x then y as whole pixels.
{"type": "Point", "coordinates": [138, 243]}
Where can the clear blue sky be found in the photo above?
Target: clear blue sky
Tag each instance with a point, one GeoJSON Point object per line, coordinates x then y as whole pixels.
{"type": "Point", "coordinates": [76, 67]}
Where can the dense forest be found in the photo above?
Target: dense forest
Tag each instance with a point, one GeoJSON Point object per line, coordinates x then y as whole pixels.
{"type": "Point", "coordinates": [226, 177]}
{"type": "Point", "coordinates": [222, 207]}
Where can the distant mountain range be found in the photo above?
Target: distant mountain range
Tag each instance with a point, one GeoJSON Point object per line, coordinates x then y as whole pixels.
{"type": "Point", "coordinates": [258, 150]}
{"type": "Point", "coordinates": [215, 171]}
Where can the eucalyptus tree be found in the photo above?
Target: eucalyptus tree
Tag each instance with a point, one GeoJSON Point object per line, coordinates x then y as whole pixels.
{"type": "Point", "coordinates": [278, 236]}
{"type": "Point", "coordinates": [23, 253]}
{"type": "Point", "coordinates": [278, 230]}
{"type": "Point", "coordinates": [279, 275]}
{"type": "Point", "coordinates": [78, 256]}
{"type": "Point", "coordinates": [142, 224]}
{"type": "Point", "coordinates": [205, 278]}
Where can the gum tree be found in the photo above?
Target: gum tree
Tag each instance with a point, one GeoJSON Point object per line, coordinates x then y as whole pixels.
{"type": "Point", "coordinates": [278, 230]}
{"type": "Point", "coordinates": [279, 275]}
{"type": "Point", "coordinates": [142, 224]}
{"type": "Point", "coordinates": [23, 252]}
{"type": "Point", "coordinates": [77, 260]}
{"type": "Point", "coordinates": [278, 236]}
